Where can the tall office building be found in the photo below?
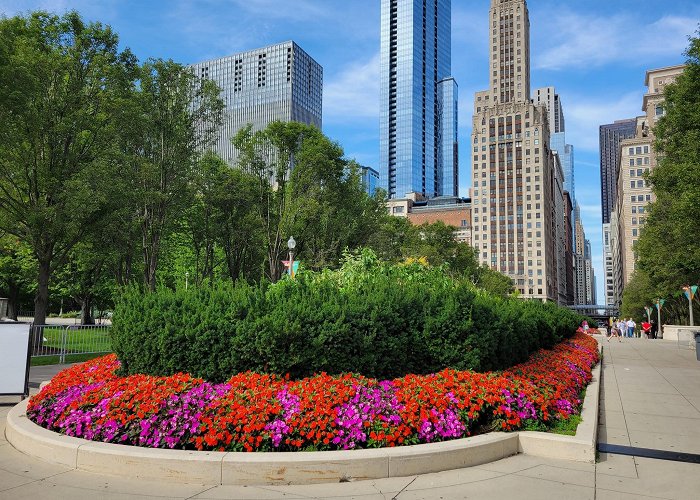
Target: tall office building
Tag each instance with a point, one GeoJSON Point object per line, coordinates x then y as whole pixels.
{"type": "Point", "coordinates": [279, 82]}
{"type": "Point", "coordinates": [516, 177]}
{"type": "Point", "coordinates": [635, 160]}
{"type": "Point", "coordinates": [548, 97]}
{"type": "Point", "coordinates": [610, 137]}
{"type": "Point", "coordinates": [418, 112]}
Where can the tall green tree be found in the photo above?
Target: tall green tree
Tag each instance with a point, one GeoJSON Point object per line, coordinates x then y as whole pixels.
{"type": "Point", "coordinates": [668, 249]}
{"type": "Point", "coordinates": [174, 116]}
{"type": "Point", "coordinates": [61, 81]}
{"type": "Point", "coordinates": [17, 273]}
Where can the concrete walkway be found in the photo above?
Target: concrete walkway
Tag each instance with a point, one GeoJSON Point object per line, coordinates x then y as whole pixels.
{"type": "Point", "coordinates": [650, 398]}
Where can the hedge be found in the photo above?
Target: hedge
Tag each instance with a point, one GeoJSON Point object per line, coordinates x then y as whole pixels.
{"type": "Point", "coordinates": [370, 318]}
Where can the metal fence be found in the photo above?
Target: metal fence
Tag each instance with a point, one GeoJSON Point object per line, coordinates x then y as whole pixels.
{"type": "Point", "coordinates": [63, 341]}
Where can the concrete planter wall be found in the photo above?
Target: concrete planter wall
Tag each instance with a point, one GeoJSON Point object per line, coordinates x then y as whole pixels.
{"type": "Point", "coordinates": [231, 468]}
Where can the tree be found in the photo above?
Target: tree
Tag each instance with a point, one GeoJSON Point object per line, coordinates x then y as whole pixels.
{"type": "Point", "coordinates": [174, 117]}
{"type": "Point", "coordinates": [17, 273]}
{"type": "Point", "coordinates": [668, 252]}
{"type": "Point", "coordinates": [60, 84]}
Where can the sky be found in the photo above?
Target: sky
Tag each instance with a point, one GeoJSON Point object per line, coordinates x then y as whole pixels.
{"type": "Point", "coordinates": [595, 53]}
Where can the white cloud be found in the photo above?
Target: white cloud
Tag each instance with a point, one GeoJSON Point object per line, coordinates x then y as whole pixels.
{"type": "Point", "coordinates": [353, 92]}
{"type": "Point", "coordinates": [585, 41]}
{"type": "Point", "coordinates": [584, 114]}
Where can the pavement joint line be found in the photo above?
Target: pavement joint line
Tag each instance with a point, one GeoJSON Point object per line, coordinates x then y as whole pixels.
{"type": "Point", "coordinates": [202, 492]}
{"type": "Point", "coordinates": [452, 485]}
{"type": "Point", "coordinates": [555, 481]}
{"type": "Point", "coordinates": [34, 481]}
{"type": "Point", "coordinates": [634, 451]}
{"type": "Point", "coordinates": [635, 494]}
{"type": "Point", "coordinates": [395, 497]}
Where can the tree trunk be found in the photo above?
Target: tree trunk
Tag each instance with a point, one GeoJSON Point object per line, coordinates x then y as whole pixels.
{"type": "Point", "coordinates": [12, 300]}
{"type": "Point", "coordinates": [86, 311]}
{"type": "Point", "coordinates": [41, 299]}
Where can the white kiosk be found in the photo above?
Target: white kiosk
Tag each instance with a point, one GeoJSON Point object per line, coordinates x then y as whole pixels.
{"type": "Point", "coordinates": [15, 355]}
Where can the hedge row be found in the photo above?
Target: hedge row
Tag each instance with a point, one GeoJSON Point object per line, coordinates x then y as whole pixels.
{"type": "Point", "coordinates": [370, 318]}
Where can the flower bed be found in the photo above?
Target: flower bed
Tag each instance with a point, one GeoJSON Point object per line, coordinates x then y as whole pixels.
{"type": "Point", "coordinates": [254, 412]}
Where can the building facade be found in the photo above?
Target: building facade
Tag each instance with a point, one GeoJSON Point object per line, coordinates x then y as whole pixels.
{"type": "Point", "coordinates": [451, 210]}
{"type": "Point", "coordinates": [609, 139]}
{"type": "Point", "coordinates": [569, 251]}
{"type": "Point", "coordinates": [278, 82]}
{"type": "Point", "coordinates": [418, 99]}
{"type": "Point", "coordinates": [633, 193]}
{"type": "Point", "coordinates": [514, 171]}
{"type": "Point", "coordinates": [370, 179]}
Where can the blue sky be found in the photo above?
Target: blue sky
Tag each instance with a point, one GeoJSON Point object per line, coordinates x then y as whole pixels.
{"type": "Point", "coordinates": [594, 52]}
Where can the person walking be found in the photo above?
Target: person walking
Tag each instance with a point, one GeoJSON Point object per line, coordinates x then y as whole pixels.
{"type": "Point", "coordinates": [631, 325]}
{"type": "Point", "coordinates": [653, 329]}
{"type": "Point", "coordinates": [646, 329]}
{"type": "Point", "coordinates": [622, 327]}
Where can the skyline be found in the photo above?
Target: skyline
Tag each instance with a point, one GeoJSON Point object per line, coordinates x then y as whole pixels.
{"type": "Point", "coordinates": [595, 55]}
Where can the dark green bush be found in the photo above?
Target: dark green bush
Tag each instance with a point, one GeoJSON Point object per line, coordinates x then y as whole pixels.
{"type": "Point", "coordinates": [375, 319]}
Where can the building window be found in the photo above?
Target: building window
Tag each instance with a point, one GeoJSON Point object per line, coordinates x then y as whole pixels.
{"type": "Point", "coordinates": [464, 223]}
{"type": "Point", "coordinates": [397, 210]}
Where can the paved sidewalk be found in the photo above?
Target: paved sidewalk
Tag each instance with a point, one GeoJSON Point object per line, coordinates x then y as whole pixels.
{"type": "Point", "coordinates": [650, 398]}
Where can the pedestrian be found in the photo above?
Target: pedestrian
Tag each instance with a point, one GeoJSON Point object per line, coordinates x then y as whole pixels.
{"type": "Point", "coordinates": [646, 329]}
{"type": "Point", "coordinates": [654, 329]}
{"type": "Point", "coordinates": [630, 327]}
{"type": "Point", "coordinates": [585, 326]}
{"type": "Point", "coordinates": [622, 327]}
{"type": "Point", "coordinates": [614, 331]}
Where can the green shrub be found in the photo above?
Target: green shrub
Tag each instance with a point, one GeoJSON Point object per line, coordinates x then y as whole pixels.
{"type": "Point", "coordinates": [371, 318]}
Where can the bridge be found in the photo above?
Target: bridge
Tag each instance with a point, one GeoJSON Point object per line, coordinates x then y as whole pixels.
{"type": "Point", "coordinates": [596, 312]}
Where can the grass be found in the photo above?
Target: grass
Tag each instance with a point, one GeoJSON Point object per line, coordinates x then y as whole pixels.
{"type": "Point", "coordinates": [70, 358]}
{"type": "Point", "coordinates": [79, 340]}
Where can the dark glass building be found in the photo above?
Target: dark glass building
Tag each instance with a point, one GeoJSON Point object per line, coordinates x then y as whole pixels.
{"type": "Point", "coordinates": [610, 137]}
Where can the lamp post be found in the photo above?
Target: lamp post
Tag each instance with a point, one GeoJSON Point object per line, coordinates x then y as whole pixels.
{"type": "Point", "coordinates": [689, 292]}
{"type": "Point", "coordinates": [659, 306]}
{"type": "Point", "coordinates": [187, 275]}
{"type": "Point", "coordinates": [291, 244]}
{"type": "Point", "coordinates": [648, 311]}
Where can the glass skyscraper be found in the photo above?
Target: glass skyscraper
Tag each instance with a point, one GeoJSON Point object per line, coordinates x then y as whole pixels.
{"type": "Point", "coordinates": [278, 82]}
{"type": "Point", "coordinates": [418, 117]}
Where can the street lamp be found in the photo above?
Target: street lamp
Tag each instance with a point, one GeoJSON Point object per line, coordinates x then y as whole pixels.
{"type": "Point", "coordinates": [291, 244]}
{"type": "Point", "coordinates": [659, 306]}
{"type": "Point", "coordinates": [689, 292]}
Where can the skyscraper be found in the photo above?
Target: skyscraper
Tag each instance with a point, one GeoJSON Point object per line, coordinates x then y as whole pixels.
{"type": "Point", "coordinates": [548, 97]}
{"type": "Point", "coordinates": [610, 137]}
{"type": "Point", "coordinates": [418, 112]}
{"type": "Point", "coordinates": [516, 179]}
{"type": "Point", "coordinates": [279, 82]}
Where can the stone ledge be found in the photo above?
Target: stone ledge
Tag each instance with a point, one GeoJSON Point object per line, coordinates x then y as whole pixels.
{"type": "Point", "coordinates": [231, 468]}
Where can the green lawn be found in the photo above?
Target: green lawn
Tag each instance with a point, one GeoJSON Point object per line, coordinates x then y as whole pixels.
{"type": "Point", "coordinates": [78, 340]}
{"type": "Point", "coordinates": [70, 358]}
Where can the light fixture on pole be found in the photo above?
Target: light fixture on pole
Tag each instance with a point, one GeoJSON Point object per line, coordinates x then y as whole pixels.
{"type": "Point", "coordinates": [291, 244]}
{"type": "Point", "coordinates": [659, 306]}
{"type": "Point", "coordinates": [689, 292]}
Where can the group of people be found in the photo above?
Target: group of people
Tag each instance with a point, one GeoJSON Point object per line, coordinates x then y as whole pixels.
{"type": "Point", "coordinates": [626, 328]}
